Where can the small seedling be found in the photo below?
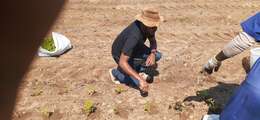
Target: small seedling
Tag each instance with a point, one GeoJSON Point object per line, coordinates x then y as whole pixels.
{"type": "Point", "coordinates": [150, 107]}
{"type": "Point", "coordinates": [45, 112]}
{"type": "Point", "coordinates": [89, 107]}
{"type": "Point", "coordinates": [147, 107]}
{"type": "Point", "coordinates": [37, 93]}
{"type": "Point", "coordinates": [210, 101]}
{"type": "Point", "coordinates": [213, 106]}
{"type": "Point", "coordinates": [179, 106]}
{"type": "Point", "coordinates": [48, 44]}
{"type": "Point", "coordinates": [91, 90]}
{"type": "Point", "coordinates": [119, 90]}
{"type": "Point", "coordinates": [116, 111]}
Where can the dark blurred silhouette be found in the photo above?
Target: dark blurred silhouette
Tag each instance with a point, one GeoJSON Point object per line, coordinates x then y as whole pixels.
{"type": "Point", "coordinates": [24, 23]}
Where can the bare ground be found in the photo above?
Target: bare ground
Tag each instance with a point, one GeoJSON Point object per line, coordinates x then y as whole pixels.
{"type": "Point", "coordinates": [193, 31]}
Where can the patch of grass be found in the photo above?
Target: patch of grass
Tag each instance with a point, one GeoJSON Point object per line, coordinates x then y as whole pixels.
{"type": "Point", "coordinates": [119, 90]}
{"type": "Point", "coordinates": [89, 107]}
{"type": "Point", "coordinates": [48, 44]}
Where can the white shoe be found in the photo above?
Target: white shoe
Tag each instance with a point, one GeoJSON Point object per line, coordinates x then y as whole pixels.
{"type": "Point", "coordinates": [211, 117]}
{"type": "Point", "coordinates": [112, 77]}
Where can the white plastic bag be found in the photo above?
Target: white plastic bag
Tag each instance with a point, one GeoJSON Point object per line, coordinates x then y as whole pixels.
{"type": "Point", "coordinates": [62, 44]}
{"type": "Point", "coordinates": [211, 117]}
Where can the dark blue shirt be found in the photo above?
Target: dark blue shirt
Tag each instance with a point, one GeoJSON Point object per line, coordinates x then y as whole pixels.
{"type": "Point", "coordinates": [252, 26]}
{"type": "Point", "coordinates": [130, 41]}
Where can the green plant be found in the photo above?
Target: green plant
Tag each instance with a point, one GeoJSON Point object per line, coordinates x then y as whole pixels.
{"type": "Point", "coordinates": [89, 107]}
{"type": "Point", "coordinates": [48, 44]}
{"type": "Point", "coordinates": [37, 92]}
{"type": "Point", "coordinates": [119, 90]}
{"type": "Point", "coordinates": [115, 110]}
{"type": "Point", "coordinates": [147, 107]}
{"type": "Point", "coordinates": [214, 107]}
{"type": "Point", "coordinates": [91, 90]}
{"type": "Point", "coordinates": [179, 106]}
{"type": "Point", "coordinates": [45, 112]}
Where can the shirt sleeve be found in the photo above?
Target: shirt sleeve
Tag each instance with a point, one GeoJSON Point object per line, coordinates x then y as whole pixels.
{"type": "Point", "coordinates": [129, 45]}
{"type": "Point", "coordinates": [153, 43]}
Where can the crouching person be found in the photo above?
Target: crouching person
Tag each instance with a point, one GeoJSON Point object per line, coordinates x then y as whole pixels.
{"type": "Point", "coordinates": [132, 55]}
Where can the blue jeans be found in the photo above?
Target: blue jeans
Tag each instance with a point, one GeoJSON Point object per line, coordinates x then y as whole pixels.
{"type": "Point", "coordinates": [136, 65]}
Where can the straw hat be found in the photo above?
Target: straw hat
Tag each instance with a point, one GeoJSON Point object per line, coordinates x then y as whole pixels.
{"type": "Point", "coordinates": [149, 17]}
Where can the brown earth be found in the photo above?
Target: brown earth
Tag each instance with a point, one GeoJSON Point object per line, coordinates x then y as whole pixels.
{"type": "Point", "coordinates": [192, 32]}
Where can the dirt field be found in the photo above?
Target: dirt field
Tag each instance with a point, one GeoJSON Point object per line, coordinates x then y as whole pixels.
{"type": "Point", "coordinates": [192, 32]}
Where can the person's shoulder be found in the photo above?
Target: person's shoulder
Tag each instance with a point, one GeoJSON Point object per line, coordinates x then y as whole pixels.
{"type": "Point", "coordinates": [133, 29]}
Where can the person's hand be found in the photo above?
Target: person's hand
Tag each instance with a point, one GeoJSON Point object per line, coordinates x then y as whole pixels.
{"type": "Point", "coordinates": [212, 65]}
{"type": "Point", "coordinates": [150, 61]}
{"type": "Point", "coordinates": [144, 86]}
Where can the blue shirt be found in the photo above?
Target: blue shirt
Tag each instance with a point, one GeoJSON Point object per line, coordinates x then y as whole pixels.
{"type": "Point", "coordinates": [245, 102]}
{"type": "Point", "coordinates": [252, 26]}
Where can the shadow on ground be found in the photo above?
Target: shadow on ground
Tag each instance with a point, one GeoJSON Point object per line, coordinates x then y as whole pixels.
{"type": "Point", "coordinates": [215, 97]}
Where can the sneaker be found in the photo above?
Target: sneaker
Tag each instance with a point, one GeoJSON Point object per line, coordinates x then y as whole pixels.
{"type": "Point", "coordinates": [211, 117]}
{"type": "Point", "coordinates": [112, 77]}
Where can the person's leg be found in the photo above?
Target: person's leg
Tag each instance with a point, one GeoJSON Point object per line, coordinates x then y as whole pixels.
{"type": "Point", "coordinates": [121, 76]}
{"type": "Point", "coordinates": [140, 58]}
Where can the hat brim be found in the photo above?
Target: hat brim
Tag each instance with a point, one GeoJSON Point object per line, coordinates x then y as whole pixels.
{"type": "Point", "coordinates": [148, 22]}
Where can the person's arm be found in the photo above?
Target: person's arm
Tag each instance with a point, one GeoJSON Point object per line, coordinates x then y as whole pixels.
{"type": "Point", "coordinates": [126, 52]}
{"type": "Point", "coordinates": [23, 26]}
{"type": "Point", "coordinates": [153, 46]}
{"type": "Point", "coordinates": [123, 63]}
{"type": "Point", "coordinates": [239, 44]}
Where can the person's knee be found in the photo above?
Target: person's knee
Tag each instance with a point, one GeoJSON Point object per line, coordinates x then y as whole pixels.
{"type": "Point", "coordinates": [158, 56]}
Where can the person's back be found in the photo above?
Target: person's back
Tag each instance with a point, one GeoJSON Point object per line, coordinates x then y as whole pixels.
{"type": "Point", "coordinates": [130, 35]}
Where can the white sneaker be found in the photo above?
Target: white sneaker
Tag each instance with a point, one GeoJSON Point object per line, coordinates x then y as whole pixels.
{"type": "Point", "coordinates": [112, 77]}
{"type": "Point", "coordinates": [211, 117]}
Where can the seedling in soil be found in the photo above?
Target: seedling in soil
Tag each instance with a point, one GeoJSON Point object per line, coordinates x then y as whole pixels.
{"type": "Point", "coordinates": [119, 90]}
{"type": "Point", "coordinates": [179, 106]}
{"type": "Point", "coordinates": [37, 93]}
{"type": "Point", "coordinates": [45, 112]}
{"type": "Point", "coordinates": [89, 107]}
{"type": "Point", "coordinates": [210, 101]}
{"type": "Point", "coordinates": [147, 107]}
{"type": "Point", "coordinates": [48, 44]}
{"type": "Point", "coordinates": [150, 107]}
{"type": "Point", "coordinates": [116, 111]}
{"type": "Point", "coordinates": [213, 106]}
{"type": "Point", "coordinates": [91, 90]}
